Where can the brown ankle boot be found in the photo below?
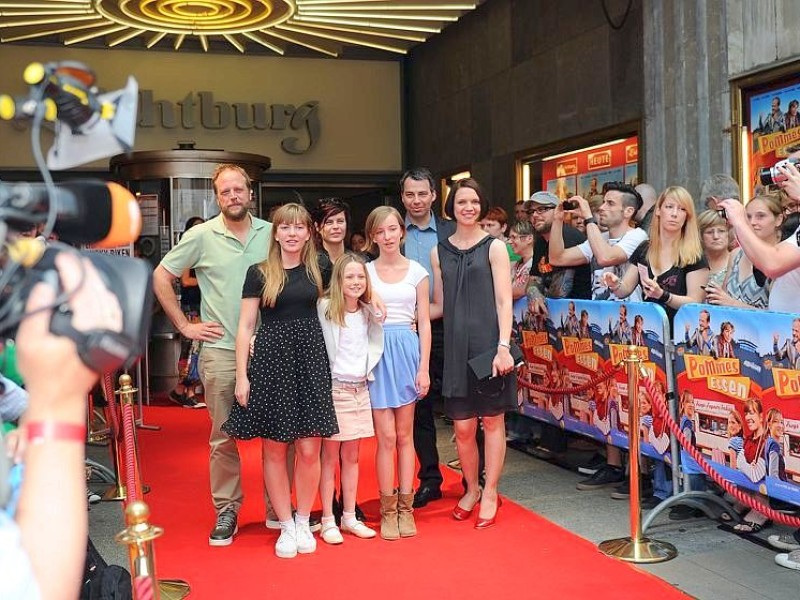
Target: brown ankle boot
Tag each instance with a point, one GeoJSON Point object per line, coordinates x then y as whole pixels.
{"type": "Point", "coordinates": [389, 526]}
{"type": "Point", "coordinates": [406, 514]}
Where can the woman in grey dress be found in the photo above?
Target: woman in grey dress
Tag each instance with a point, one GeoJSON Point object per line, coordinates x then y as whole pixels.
{"type": "Point", "coordinates": [472, 280]}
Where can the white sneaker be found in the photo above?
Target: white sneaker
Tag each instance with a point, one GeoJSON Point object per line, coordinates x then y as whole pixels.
{"type": "Point", "coordinates": [273, 523]}
{"type": "Point", "coordinates": [286, 546]}
{"type": "Point", "coordinates": [330, 534]}
{"type": "Point", "coordinates": [306, 544]}
{"type": "Point", "coordinates": [359, 530]}
{"type": "Point", "coordinates": [790, 561]}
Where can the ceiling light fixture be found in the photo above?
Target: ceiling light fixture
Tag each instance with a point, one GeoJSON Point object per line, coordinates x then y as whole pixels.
{"type": "Point", "coordinates": [388, 25]}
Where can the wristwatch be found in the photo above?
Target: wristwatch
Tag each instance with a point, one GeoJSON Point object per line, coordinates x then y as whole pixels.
{"type": "Point", "coordinates": [589, 221]}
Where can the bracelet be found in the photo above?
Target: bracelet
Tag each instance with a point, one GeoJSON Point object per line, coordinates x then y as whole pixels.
{"type": "Point", "coordinates": [665, 297]}
{"type": "Point", "coordinates": [504, 345]}
{"type": "Point", "coordinates": [43, 431]}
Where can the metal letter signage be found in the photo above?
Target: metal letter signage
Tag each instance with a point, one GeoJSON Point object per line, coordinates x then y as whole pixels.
{"type": "Point", "coordinates": [201, 110]}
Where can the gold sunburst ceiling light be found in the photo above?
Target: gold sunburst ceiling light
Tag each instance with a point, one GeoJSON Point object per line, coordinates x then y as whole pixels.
{"type": "Point", "coordinates": [325, 26]}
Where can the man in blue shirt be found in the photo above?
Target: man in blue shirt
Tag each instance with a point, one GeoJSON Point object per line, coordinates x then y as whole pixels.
{"type": "Point", "coordinates": [423, 231]}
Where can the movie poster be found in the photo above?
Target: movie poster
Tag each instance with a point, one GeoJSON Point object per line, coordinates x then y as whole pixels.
{"type": "Point", "coordinates": [578, 340]}
{"type": "Point", "coordinates": [563, 187]}
{"type": "Point", "coordinates": [738, 384]}
{"type": "Point", "coordinates": [773, 123]}
{"type": "Point", "coordinates": [591, 183]}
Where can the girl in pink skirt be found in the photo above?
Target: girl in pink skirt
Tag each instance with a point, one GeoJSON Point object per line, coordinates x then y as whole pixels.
{"type": "Point", "coordinates": [354, 341]}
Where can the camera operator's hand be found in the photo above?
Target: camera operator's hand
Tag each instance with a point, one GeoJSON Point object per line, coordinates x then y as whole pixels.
{"type": "Point", "coordinates": [205, 331]}
{"type": "Point", "coordinates": [39, 351]}
{"type": "Point", "coordinates": [734, 212]}
{"type": "Point", "coordinates": [791, 186]}
{"type": "Point", "coordinates": [583, 209]}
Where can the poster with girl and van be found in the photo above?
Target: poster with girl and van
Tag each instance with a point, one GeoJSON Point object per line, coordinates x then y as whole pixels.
{"type": "Point", "coordinates": [576, 342]}
{"type": "Point", "coordinates": [738, 380]}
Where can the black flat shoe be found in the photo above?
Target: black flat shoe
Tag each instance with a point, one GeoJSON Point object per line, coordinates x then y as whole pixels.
{"type": "Point", "coordinates": [426, 494]}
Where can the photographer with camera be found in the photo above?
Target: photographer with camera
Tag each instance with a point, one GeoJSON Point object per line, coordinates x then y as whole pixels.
{"type": "Point", "coordinates": [42, 554]}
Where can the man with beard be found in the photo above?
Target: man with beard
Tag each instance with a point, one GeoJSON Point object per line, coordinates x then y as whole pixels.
{"type": "Point", "coordinates": [220, 251]}
{"type": "Point", "coordinates": [547, 281]}
{"type": "Point", "coordinates": [607, 252]}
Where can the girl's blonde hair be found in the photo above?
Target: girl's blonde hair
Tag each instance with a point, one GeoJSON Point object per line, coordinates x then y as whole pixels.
{"type": "Point", "coordinates": [272, 267]}
{"type": "Point", "coordinates": [376, 218]}
{"type": "Point", "coordinates": [689, 249]}
{"type": "Point", "coordinates": [336, 309]}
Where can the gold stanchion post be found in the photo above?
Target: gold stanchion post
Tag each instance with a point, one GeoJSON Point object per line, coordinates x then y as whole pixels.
{"type": "Point", "coordinates": [636, 548]}
{"type": "Point", "coordinates": [117, 492]}
{"type": "Point", "coordinates": [139, 536]}
{"type": "Point", "coordinates": [126, 394]}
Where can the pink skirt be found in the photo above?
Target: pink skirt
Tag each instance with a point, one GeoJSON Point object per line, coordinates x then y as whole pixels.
{"type": "Point", "coordinates": [353, 411]}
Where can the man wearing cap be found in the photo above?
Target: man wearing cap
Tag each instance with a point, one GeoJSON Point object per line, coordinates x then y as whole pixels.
{"type": "Point", "coordinates": [605, 251]}
{"type": "Point", "coordinates": [548, 281]}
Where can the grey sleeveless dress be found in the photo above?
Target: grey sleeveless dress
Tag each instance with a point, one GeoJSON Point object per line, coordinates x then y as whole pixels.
{"type": "Point", "coordinates": [470, 329]}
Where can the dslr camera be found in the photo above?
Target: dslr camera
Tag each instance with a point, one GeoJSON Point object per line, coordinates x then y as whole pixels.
{"type": "Point", "coordinates": [771, 175]}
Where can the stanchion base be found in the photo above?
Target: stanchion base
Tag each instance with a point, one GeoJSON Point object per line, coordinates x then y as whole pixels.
{"type": "Point", "coordinates": [643, 551]}
{"type": "Point", "coordinates": [173, 589]}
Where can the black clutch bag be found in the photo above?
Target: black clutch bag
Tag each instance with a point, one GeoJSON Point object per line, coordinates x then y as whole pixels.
{"type": "Point", "coordinates": [481, 365]}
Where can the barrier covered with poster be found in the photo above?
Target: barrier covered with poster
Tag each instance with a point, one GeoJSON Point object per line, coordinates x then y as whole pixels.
{"type": "Point", "coordinates": [573, 345]}
{"type": "Point", "coordinates": [738, 383]}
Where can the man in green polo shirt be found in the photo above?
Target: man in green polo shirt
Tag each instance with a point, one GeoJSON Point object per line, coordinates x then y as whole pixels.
{"type": "Point", "coordinates": [220, 251]}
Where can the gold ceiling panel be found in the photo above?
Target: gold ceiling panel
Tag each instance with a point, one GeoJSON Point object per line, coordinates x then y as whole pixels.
{"type": "Point", "coordinates": [328, 27]}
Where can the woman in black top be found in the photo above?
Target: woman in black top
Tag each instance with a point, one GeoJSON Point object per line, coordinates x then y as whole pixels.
{"type": "Point", "coordinates": [472, 289]}
{"type": "Point", "coordinates": [672, 259]}
{"type": "Point", "coordinates": [284, 394]}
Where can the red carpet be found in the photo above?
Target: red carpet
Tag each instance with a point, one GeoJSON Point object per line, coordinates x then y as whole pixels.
{"type": "Point", "coordinates": [523, 556]}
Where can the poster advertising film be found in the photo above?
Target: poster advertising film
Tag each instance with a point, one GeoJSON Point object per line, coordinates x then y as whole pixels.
{"type": "Point", "coordinates": [576, 343]}
{"type": "Point", "coordinates": [738, 384]}
{"type": "Point", "coordinates": [773, 125]}
{"type": "Point", "coordinates": [585, 171]}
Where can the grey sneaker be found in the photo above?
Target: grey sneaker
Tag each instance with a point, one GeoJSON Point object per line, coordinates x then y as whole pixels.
{"type": "Point", "coordinates": [225, 529]}
{"type": "Point", "coordinates": [785, 541]}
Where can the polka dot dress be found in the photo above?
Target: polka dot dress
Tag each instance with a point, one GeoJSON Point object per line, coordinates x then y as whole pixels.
{"type": "Point", "coordinates": [290, 380]}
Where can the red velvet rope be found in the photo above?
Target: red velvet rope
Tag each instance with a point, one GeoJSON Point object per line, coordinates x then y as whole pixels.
{"type": "Point", "coordinates": [113, 405]}
{"type": "Point", "coordinates": [143, 588]}
{"type": "Point", "coordinates": [604, 375]}
{"type": "Point", "coordinates": [131, 476]}
{"type": "Point", "coordinates": [657, 400]}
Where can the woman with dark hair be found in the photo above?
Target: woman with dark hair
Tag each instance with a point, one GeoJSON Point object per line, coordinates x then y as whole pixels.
{"type": "Point", "coordinates": [472, 285]}
{"type": "Point", "coordinates": [331, 219]}
{"type": "Point", "coordinates": [189, 379]}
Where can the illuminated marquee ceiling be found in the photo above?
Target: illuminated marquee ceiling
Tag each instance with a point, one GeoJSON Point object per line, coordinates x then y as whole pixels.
{"type": "Point", "coordinates": [329, 27]}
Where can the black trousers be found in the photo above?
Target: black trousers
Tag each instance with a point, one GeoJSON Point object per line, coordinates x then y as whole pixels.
{"type": "Point", "coordinates": [430, 473]}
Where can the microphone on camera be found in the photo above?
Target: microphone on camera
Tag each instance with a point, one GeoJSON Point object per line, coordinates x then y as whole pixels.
{"type": "Point", "coordinates": [102, 214]}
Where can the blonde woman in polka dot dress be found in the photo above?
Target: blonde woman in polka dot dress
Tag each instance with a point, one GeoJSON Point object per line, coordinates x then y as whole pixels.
{"type": "Point", "coordinates": [284, 395]}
